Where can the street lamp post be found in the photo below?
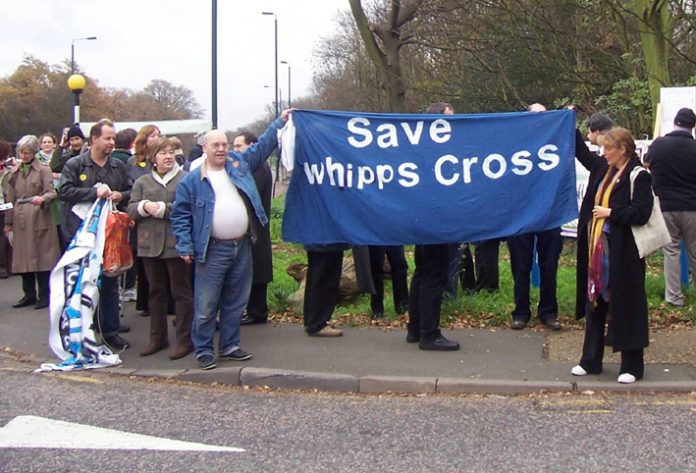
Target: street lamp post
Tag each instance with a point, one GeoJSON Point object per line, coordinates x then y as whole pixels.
{"type": "Point", "coordinates": [72, 51]}
{"type": "Point", "coordinates": [289, 81]}
{"type": "Point", "coordinates": [76, 83]}
{"type": "Point", "coordinates": [275, 61]}
{"type": "Point", "coordinates": [214, 90]}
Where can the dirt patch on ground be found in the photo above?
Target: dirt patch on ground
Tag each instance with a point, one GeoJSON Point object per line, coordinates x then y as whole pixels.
{"type": "Point", "coordinates": [674, 346]}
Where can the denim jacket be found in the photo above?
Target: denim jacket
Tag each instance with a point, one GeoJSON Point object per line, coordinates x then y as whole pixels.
{"type": "Point", "coordinates": [192, 213]}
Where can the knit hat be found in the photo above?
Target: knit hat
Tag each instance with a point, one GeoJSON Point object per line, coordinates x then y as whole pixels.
{"type": "Point", "coordinates": [685, 118]}
{"type": "Point", "coordinates": [75, 131]}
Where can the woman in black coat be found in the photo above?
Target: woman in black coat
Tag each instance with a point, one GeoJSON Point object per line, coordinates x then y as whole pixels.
{"type": "Point", "coordinates": [609, 268]}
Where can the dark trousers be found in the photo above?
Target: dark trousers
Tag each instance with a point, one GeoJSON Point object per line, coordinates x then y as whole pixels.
{"type": "Point", "coordinates": [486, 265]}
{"type": "Point", "coordinates": [257, 307]}
{"type": "Point", "coordinates": [321, 288]}
{"type": "Point", "coordinates": [108, 316]}
{"type": "Point", "coordinates": [427, 285]}
{"type": "Point", "coordinates": [31, 280]}
{"type": "Point", "coordinates": [165, 275]}
{"type": "Point", "coordinates": [399, 277]}
{"type": "Point", "coordinates": [549, 245]}
{"type": "Point", "coordinates": [142, 288]}
{"type": "Point", "coordinates": [593, 346]}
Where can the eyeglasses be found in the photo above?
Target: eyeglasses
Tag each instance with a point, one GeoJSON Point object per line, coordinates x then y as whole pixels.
{"type": "Point", "coordinates": [218, 145]}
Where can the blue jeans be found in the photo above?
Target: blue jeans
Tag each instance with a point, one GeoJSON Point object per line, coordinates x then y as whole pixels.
{"type": "Point", "coordinates": [108, 317]}
{"type": "Point", "coordinates": [223, 281]}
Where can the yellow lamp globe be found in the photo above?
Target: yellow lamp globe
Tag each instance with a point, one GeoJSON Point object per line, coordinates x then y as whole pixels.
{"type": "Point", "coordinates": [76, 82]}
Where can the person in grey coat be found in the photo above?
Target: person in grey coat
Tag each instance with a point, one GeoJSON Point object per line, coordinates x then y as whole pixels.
{"type": "Point", "coordinates": [150, 206]}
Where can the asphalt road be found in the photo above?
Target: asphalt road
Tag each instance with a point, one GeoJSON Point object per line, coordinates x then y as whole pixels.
{"type": "Point", "coordinates": [308, 432]}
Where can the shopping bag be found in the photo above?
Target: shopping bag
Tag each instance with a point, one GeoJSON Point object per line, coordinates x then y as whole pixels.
{"type": "Point", "coordinates": [118, 257]}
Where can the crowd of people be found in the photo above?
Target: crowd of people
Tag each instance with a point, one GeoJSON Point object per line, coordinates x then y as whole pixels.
{"type": "Point", "coordinates": [210, 263]}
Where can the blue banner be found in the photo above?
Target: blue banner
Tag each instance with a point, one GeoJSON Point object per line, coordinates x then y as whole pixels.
{"type": "Point", "coordinates": [388, 179]}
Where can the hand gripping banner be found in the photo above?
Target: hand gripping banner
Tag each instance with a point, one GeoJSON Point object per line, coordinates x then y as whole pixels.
{"type": "Point", "coordinates": [388, 179]}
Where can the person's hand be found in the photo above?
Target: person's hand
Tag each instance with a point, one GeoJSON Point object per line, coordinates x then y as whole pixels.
{"type": "Point", "coordinates": [152, 208]}
{"type": "Point", "coordinates": [37, 200]}
{"type": "Point", "coordinates": [64, 138]}
{"type": "Point", "coordinates": [103, 192]}
{"type": "Point", "coordinates": [56, 175]}
{"type": "Point", "coordinates": [116, 197]}
{"type": "Point", "coordinates": [188, 259]}
{"type": "Point", "coordinates": [286, 113]}
{"type": "Point", "coordinates": [601, 212]}
{"type": "Point", "coordinates": [7, 229]}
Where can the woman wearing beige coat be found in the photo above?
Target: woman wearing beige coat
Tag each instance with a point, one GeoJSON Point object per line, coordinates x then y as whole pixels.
{"type": "Point", "coordinates": [35, 250]}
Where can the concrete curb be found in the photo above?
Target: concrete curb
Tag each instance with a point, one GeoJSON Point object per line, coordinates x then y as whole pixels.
{"type": "Point", "coordinates": [288, 379]}
{"type": "Point", "coordinates": [494, 386]}
{"type": "Point", "coordinates": [333, 382]}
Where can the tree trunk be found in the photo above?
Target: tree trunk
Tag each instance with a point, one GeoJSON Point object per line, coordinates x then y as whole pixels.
{"type": "Point", "coordinates": [387, 58]}
{"type": "Point", "coordinates": [655, 28]}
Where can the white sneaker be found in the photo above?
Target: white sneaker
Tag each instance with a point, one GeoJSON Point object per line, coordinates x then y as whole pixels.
{"type": "Point", "coordinates": [626, 378]}
{"type": "Point", "coordinates": [129, 295]}
{"type": "Point", "coordinates": [578, 370]}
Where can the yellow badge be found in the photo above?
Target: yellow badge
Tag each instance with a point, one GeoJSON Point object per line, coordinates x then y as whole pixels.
{"type": "Point", "coordinates": [142, 164]}
{"type": "Point", "coordinates": [83, 177]}
{"type": "Point", "coordinates": [235, 164]}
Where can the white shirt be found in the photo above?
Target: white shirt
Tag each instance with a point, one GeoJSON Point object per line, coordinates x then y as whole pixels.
{"type": "Point", "coordinates": [230, 218]}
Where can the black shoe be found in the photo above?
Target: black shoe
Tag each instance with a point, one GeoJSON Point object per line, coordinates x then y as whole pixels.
{"type": "Point", "coordinates": [439, 343]}
{"type": "Point", "coordinates": [116, 343]}
{"type": "Point", "coordinates": [377, 315]}
{"type": "Point", "coordinates": [24, 302]}
{"type": "Point", "coordinates": [237, 355]}
{"type": "Point", "coordinates": [247, 320]}
{"type": "Point", "coordinates": [552, 324]}
{"type": "Point", "coordinates": [401, 309]}
{"type": "Point", "coordinates": [41, 304]}
{"type": "Point", "coordinates": [518, 324]}
{"type": "Point", "coordinates": [206, 362]}
{"type": "Point", "coordinates": [412, 337]}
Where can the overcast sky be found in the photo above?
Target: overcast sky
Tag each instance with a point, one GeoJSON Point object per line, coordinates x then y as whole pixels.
{"type": "Point", "coordinates": [141, 40]}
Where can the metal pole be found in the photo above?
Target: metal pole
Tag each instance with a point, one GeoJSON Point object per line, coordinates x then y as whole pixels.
{"type": "Point", "coordinates": [289, 82]}
{"type": "Point", "coordinates": [72, 57]}
{"type": "Point", "coordinates": [277, 111]}
{"type": "Point", "coordinates": [214, 109]}
{"type": "Point", "coordinates": [76, 109]}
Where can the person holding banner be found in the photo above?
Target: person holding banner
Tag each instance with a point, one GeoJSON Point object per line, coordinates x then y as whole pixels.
{"type": "Point", "coordinates": [549, 244]}
{"type": "Point", "coordinates": [428, 284]}
{"type": "Point", "coordinates": [85, 178]}
{"type": "Point", "coordinates": [215, 219]}
{"type": "Point", "coordinates": [615, 273]}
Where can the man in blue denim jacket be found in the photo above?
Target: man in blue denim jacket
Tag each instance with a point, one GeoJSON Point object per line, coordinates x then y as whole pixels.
{"type": "Point", "coordinates": [214, 217]}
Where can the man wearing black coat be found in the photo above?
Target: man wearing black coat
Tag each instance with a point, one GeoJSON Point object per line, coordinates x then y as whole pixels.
{"type": "Point", "coordinates": [672, 161]}
{"type": "Point", "coordinates": [596, 125]}
{"type": "Point", "coordinates": [261, 254]}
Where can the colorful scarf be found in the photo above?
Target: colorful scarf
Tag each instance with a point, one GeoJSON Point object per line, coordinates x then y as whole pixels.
{"type": "Point", "coordinates": [75, 295]}
{"type": "Point", "coordinates": [598, 270]}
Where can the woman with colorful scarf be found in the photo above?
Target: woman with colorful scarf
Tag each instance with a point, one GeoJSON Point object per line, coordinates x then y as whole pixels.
{"type": "Point", "coordinates": [615, 274]}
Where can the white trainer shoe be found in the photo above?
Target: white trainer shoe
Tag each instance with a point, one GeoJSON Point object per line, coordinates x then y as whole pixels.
{"type": "Point", "coordinates": [626, 378]}
{"type": "Point", "coordinates": [578, 370]}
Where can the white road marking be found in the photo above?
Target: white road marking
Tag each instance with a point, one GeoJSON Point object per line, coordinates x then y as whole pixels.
{"type": "Point", "coordinates": [38, 432]}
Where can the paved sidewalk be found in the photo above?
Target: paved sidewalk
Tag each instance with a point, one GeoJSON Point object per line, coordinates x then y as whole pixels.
{"type": "Point", "coordinates": [377, 360]}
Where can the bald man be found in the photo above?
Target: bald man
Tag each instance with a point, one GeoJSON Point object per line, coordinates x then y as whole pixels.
{"type": "Point", "coordinates": [216, 215]}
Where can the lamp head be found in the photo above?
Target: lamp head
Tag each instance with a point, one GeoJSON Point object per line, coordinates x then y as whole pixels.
{"type": "Point", "coordinates": [76, 83]}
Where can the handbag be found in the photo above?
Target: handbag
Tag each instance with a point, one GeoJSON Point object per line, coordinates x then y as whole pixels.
{"type": "Point", "coordinates": [653, 235]}
{"type": "Point", "coordinates": [118, 257]}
